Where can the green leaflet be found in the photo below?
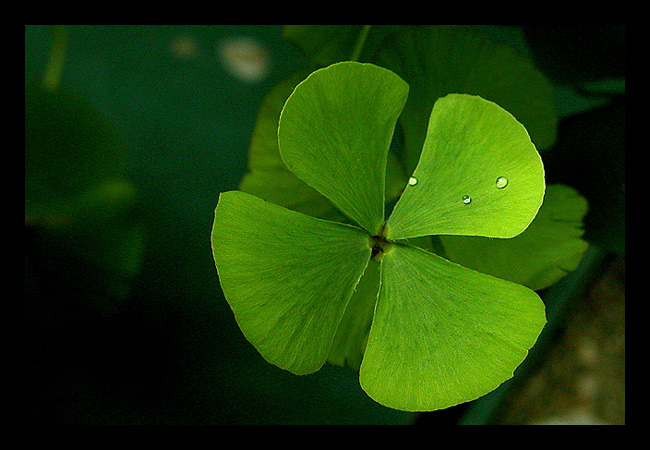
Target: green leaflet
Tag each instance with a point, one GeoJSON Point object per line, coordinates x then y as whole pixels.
{"type": "Point", "coordinates": [287, 277]}
{"type": "Point", "coordinates": [269, 178]}
{"type": "Point", "coordinates": [335, 131]}
{"type": "Point", "coordinates": [443, 334]}
{"type": "Point", "coordinates": [478, 175]}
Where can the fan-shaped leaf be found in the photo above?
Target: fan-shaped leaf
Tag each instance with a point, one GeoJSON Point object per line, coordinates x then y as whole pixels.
{"type": "Point", "coordinates": [479, 175]}
{"type": "Point", "coordinates": [335, 131]}
{"type": "Point", "coordinates": [287, 277]}
{"type": "Point", "coordinates": [443, 334]}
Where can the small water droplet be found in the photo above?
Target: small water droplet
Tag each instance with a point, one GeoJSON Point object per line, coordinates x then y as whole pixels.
{"type": "Point", "coordinates": [466, 199]}
{"type": "Point", "coordinates": [502, 182]}
{"type": "Point", "coordinates": [413, 181]}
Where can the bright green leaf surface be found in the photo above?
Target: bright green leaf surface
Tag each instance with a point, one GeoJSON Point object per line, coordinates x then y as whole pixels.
{"type": "Point", "coordinates": [479, 175]}
{"type": "Point", "coordinates": [269, 178]}
{"type": "Point", "coordinates": [443, 334]}
{"type": "Point", "coordinates": [287, 277]}
{"type": "Point", "coordinates": [335, 131]}
{"type": "Point", "coordinates": [549, 248]}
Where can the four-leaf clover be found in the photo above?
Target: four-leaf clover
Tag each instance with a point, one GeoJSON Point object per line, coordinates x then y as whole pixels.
{"type": "Point", "coordinates": [440, 334]}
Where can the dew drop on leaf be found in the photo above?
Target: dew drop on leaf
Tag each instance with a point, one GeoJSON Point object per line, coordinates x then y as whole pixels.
{"type": "Point", "coordinates": [413, 181]}
{"type": "Point", "coordinates": [466, 199]}
{"type": "Point", "coordinates": [501, 182]}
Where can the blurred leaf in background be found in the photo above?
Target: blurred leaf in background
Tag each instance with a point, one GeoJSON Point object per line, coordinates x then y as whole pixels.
{"type": "Point", "coordinates": [578, 53]}
{"type": "Point", "coordinates": [586, 64]}
{"type": "Point", "coordinates": [84, 238]}
{"type": "Point", "coordinates": [76, 195]}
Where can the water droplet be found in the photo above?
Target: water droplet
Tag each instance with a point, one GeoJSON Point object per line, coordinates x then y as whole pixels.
{"type": "Point", "coordinates": [413, 181]}
{"type": "Point", "coordinates": [466, 199]}
{"type": "Point", "coordinates": [502, 182]}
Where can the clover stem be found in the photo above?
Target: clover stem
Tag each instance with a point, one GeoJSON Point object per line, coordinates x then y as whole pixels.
{"type": "Point", "coordinates": [361, 40]}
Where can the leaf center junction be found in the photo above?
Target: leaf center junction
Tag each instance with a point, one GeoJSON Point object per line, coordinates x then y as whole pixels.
{"type": "Point", "coordinates": [379, 245]}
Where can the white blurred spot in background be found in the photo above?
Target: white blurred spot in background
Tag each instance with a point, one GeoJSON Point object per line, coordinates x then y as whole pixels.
{"type": "Point", "coordinates": [185, 47]}
{"type": "Point", "coordinates": [245, 58]}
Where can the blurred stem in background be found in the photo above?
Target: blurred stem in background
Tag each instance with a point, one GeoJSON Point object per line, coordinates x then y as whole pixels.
{"type": "Point", "coordinates": [363, 35]}
{"type": "Point", "coordinates": [59, 48]}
